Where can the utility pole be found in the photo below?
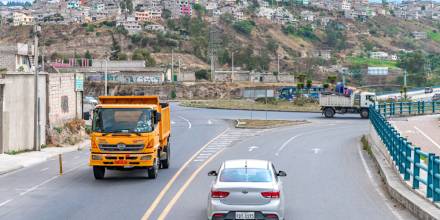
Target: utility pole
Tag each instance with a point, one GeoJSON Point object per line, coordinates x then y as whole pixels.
{"type": "Point", "coordinates": [180, 75]}
{"type": "Point", "coordinates": [278, 63]}
{"type": "Point", "coordinates": [105, 76]}
{"type": "Point", "coordinates": [36, 98]}
{"type": "Point", "coordinates": [172, 64]}
{"type": "Point", "coordinates": [232, 70]}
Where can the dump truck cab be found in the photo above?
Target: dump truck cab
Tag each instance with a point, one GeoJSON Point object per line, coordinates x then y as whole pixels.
{"type": "Point", "coordinates": [130, 132]}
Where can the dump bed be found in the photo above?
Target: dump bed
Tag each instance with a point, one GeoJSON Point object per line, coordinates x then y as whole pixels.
{"type": "Point", "coordinates": [165, 123]}
{"type": "Point", "coordinates": [336, 100]}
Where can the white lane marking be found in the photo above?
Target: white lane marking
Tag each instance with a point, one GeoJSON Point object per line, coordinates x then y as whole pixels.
{"type": "Point", "coordinates": [187, 121]}
{"type": "Point", "coordinates": [376, 187]}
{"type": "Point", "coordinates": [198, 160]}
{"type": "Point", "coordinates": [316, 150]}
{"type": "Point", "coordinates": [206, 154]}
{"type": "Point", "coordinates": [209, 122]}
{"type": "Point", "coordinates": [36, 186]}
{"type": "Point", "coordinates": [427, 137]}
{"type": "Point", "coordinates": [252, 148]}
{"type": "Point", "coordinates": [5, 202]}
{"type": "Point", "coordinates": [44, 169]}
{"type": "Point", "coordinates": [286, 143]}
{"type": "Point", "coordinates": [173, 122]}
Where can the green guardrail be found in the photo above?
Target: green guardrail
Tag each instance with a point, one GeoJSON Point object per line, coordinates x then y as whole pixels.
{"type": "Point", "coordinates": [408, 108]}
{"type": "Point", "coordinates": [416, 166]}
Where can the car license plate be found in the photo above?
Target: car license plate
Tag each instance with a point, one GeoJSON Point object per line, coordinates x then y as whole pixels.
{"type": "Point", "coordinates": [120, 162]}
{"type": "Point", "coordinates": [244, 215]}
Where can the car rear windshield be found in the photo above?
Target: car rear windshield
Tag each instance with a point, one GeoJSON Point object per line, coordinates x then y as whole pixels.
{"type": "Point", "coordinates": [245, 175]}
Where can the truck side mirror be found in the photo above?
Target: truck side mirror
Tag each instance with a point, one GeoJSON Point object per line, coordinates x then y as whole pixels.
{"type": "Point", "coordinates": [212, 173]}
{"type": "Point", "coordinates": [158, 117]}
{"type": "Point", "coordinates": [86, 116]}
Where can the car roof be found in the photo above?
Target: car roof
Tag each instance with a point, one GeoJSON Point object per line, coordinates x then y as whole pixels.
{"type": "Point", "coordinates": [246, 163]}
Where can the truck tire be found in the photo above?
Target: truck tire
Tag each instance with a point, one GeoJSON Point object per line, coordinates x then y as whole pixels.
{"type": "Point", "coordinates": [99, 172]}
{"type": "Point", "coordinates": [329, 113]}
{"type": "Point", "coordinates": [166, 162]}
{"type": "Point", "coordinates": [365, 113]}
{"type": "Point", "coordinates": [152, 171]}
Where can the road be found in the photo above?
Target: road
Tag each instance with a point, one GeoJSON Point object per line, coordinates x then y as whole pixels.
{"type": "Point", "coordinates": [329, 177]}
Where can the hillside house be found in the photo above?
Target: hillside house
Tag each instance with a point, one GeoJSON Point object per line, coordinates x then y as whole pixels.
{"type": "Point", "coordinates": [380, 55]}
{"type": "Point", "coordinates": [130, 24]}
{"type": "Point", "coordinates": [344, 5]}
{"type": "Point", "coordinates": [419, 35]}
{"type": "Point", "coordinates": [155, 27]}
{"type": "Point", "coordinates": [323, 54]}
{"type": "Point", "coordinates": [307, 16]}
{"type": "Point", "coordinates": [22, 19]}
{"type": "Point", "coordinates": [73, 5]}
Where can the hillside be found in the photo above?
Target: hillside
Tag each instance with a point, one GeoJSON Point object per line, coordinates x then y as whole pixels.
{"type": "Point", "coordinates": [256, 42]}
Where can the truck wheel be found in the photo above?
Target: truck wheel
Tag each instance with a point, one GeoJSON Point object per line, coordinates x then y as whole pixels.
{"type": "Point", "coordinates": [166, 162]}
{"type": "Point", "coordinates": [365, 113]}
{"type": "Point", "coordinates": [152, 171]}
{"type": "Point", "coordinates": [99, 172]}
{"type": "Point", "coordinates": [329, 113]}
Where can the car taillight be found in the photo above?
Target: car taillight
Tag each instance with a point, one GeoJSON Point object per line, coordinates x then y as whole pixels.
{"type": "Point", "coordinates": [219, 194]}
{"type": "Point", "coordinates": [218, 215]}
{"type": "Point", "coordinates": [271, 216]}
{"type": "Point", "coordinates": [273, 195]}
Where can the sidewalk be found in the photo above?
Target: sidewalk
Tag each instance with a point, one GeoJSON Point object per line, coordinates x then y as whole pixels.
{"type": "Point", "coordinates": [9, 163]}
{"type": "Point", "coordinates": [422, 131]}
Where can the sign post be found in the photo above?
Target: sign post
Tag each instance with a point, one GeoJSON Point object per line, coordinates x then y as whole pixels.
{"type": "Point", "coordinates": [79, 88]}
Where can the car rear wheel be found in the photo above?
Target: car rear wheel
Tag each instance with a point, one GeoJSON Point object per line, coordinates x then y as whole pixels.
{"type": "Point", "coordinates": [99, 172]}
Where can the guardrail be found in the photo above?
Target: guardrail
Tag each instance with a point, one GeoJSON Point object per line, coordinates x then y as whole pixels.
{"type": "Point", "coordinates": [408, 108]}
{"type": "Point", "coordinates": [415, 165]}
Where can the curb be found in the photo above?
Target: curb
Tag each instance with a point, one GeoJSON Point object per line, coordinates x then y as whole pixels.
{"type": "Point", "coordinates": [81, 146]}
{"type": "Point", "coordinates": [12, 169]}
{"type": "Point", "coordinates": [396, 188]}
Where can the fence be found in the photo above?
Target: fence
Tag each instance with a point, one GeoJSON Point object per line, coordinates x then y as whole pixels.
{"type": "Point", "coordinates": [408, 108]}
{"type": "Point", "coordinates": [415, 165]}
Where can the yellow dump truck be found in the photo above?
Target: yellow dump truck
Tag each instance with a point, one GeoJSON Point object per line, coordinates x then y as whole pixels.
{"type": "Point", "coordinates": [130, 132]}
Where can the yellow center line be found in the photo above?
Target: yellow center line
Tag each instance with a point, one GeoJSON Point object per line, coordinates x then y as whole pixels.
{"type": "Point", "coordinates": [176, 197]}
{"type": "Point", "coordinates": [167, 187]}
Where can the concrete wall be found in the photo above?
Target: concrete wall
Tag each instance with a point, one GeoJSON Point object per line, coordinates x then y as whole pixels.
{"type": "Point", "coordinates": [18, 111]}
{"type": "Point", "coordinates": [64, 102]}
{"type": "Point", "coordinates": [118, 64]}
{"type": "Point", "coordinates": [128, 78]}
{"type": "Point", "coordinates": [7, 57]}
{"type": "Point", "coordinates": [186, 77]}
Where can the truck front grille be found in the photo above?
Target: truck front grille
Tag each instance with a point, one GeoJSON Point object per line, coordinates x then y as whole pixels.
{"type": "Point", "coordinates": [121, 147]}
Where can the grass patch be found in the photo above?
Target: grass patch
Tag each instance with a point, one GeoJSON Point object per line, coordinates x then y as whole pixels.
{"type": "Point", "coordinates": [372, 62]}
{"type": "Point", "coordinates": [15, 152]}
{"type": "Point", "coordinates": [366, 145]}
{"type": "Point", "coordinates": [435, 36]}
{"type": "Point", "coordinates": [254, 123]}
{"type": "Point", "coordinates": [251, 105]}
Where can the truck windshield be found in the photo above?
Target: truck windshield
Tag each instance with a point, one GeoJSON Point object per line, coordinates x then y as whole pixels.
{"type": "Point", "coordinates": [107, 120]}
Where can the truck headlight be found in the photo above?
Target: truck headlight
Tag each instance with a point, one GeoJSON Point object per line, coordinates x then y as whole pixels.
{"type": "Point", "coordinates": [96, 157]}
{"type": "Point", "coordinates": [148, 157]}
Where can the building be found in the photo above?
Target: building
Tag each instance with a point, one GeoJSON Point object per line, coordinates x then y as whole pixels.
{"type": "Point", "coordinates": [17, 98]}
{"type": "Point", "coordinates": [178, 7]}
{"type": "Point", "coordinates": [307, 16]}
{"type": "Point", "coordinates": [419, 35]}
{"type": "Point", "coordinates": [378, 71]}
{"type": "Point", "coordinates": [73, 5]}
{"type": "Point", "coordinates": [323, 54]}
{"type": "Point", "coordinates": [20, 18]}
{"type": "Point", "coordinates": [379, 55]}
{"type": "Point", "coordinates": [344, 5]}
{"type": "Point", "coordinates": [130, 24]}
{"type": "Point", "coordinates": [155, 27]}
{"type": "Point", "coordinates": [149, 15]}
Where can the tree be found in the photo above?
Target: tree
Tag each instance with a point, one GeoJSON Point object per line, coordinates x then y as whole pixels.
{"type": "Point", "coordinates": [335, 38]}
{"type": "Point", "coordinates": [89, 56]}
{"type": "Point", "coordinates": [309, 85]}
{"type": "Point", "coordinates": [202, 74]}
{"type": "Point", "coordinates": [144, 54]}
{"type": "Point", "coordinates": [115, 49]}
{"type": "Point", "coordinates": [414, 63]}
{"type": "Point", "coordinates": [166, 14]}
{"type": "Point", "coordinates": [272, 46]}
{"type": "Point", "coordinates": [244, 27]}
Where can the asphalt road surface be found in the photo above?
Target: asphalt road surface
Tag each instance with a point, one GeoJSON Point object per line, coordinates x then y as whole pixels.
{"type": "Point", "coordinates": [329, 177]}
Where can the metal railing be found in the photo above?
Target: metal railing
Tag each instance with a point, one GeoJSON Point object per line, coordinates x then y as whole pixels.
{"type": "Point", "coordinates": [415, 165]}
{"type": "Point", "coordinates": [408, 108]}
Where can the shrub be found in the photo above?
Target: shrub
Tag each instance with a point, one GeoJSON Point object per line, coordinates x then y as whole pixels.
{"type": "Point", "coordinates": [267, 100]}
{"type": "Point", "coordinates": [244, 27]}
{"type": "Point", "coordinates": [202, 74]}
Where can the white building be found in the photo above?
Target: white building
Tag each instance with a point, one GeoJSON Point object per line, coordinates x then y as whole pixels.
{"type": "Point", "coordinates": [130, 24]}
{"type": "Point", "coordinates": [155, 27]}
{"type": "Point", "coordinates": [378, 71]}
{"type": "Point", "coordinates": [380, 55]}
